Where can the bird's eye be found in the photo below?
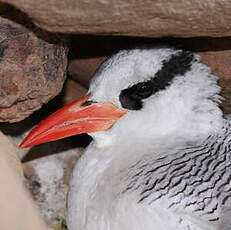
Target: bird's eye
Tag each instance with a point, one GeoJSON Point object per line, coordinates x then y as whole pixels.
{"type": "Point", "coordinates": [143, 91]}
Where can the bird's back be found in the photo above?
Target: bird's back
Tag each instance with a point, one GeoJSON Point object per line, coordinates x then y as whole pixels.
{"type": "Point", "coordinates": [194, 181]}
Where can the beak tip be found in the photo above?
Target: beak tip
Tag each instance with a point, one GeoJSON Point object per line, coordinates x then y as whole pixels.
{"type": "Point", "coordinates": [22, 145]}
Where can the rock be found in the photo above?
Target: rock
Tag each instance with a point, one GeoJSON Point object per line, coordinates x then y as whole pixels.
{"type": "Point", "coordinates": [18, 210]}
{"type": "Point", "coordinates": [32, 69]}
{"type": "Point", "coordinates": [17, 131]}
{"type": "Point", "coordinates": [216, 53]}
{"type": "Point", "coordinates": [48, 179]}
{"type": "Point", "coordinates": [47, 167]}
{"type": "Point", "coordinates": [83, 69]}
{"type": "Point", "coordinates": [220, 61]}
{"type": "Point", "coordinates": [8, 153]}
{"type": "Point", "coordinates": [134, 18]}
{"type": "Point", "coordinates": [73, 91]}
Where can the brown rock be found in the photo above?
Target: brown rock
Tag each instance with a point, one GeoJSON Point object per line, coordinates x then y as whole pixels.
{"type": "Point", "coordinates": [8, 155]}
{"type": "Point", "coordinates": [14, 197]}
{"type": "Point", "coordinates": [82, 70]}
{"type": "Point", "coordinates": [216, 53]}
{"type": "Point", "coordinates": [32, 69]}
{"type": "Point", "coordinates": [220, 62]}
{"type": "Point", "coordinates": [72, 91]}
{"type": "Point", "coordinates": [134, 18]}
{"type": "Point", "coordinates": [48, 180]}
{"type": "Point", "coordinates": [16, 132]}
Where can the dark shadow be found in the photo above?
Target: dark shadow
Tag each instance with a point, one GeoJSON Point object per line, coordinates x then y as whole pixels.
{"type": "Point", "coordinates": [10, 12]}
{"type": "Point", "coordinates": [199, 44]}
{"type": "Point", "coordinates": [86, 46]}
{"type": "Point", "coordinates": [58, 146]}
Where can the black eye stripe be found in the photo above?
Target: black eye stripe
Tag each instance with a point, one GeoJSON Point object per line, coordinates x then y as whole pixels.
{"type": "Point", "coordinates": [178, 64]}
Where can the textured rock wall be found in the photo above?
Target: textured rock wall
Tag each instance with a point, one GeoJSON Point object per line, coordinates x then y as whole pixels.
{"type": "Point", "coordinates": [32, 68]}
{"type": "Point", "coordinates": [183, 18]}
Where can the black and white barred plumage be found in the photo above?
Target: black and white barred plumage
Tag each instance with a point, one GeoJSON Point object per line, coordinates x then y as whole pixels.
{"type": "Point", "coordinates": [166, 164]}
{"type": "Point", "coordinates": [194, 178]}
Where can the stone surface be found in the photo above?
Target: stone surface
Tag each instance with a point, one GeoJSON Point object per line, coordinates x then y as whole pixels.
{"type": "Point", "coordinates": [32, 69]}
{"type": "Point", "coordinates": [47, 169]}
{"type": "Point", "coordinates": [17, 131]}
{"type": "Point", "coordinates": [48, 179]}
{"type": "Point", "coordinates": [83, 69]}
{"type": "Point", "coordinates": [216, 53]}
{"type": "Point", "coordinates": [72, 91]}
{"type": "Point", "coordinates": [18, 209]}
{"type": "Point", "coordinates": [134, 18]}
{"type": "Point", "coordinates": [220, 62]}
{"type": "Point", "coordinates": [9, 152]}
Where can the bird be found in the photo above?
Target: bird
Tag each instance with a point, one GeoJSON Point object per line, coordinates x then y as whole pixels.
{"type": "Point", "coordinates": [160, 158]}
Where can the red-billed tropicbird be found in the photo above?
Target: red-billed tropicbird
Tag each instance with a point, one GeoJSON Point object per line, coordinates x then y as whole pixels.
{"type": "Point", "coordinates": [160, 157]}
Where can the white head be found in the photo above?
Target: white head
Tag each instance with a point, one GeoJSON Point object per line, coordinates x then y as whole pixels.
{"type": "Point", "coordinates": [168, 94]}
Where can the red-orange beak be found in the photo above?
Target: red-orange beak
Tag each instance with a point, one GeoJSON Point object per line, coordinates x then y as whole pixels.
{"type": "Point", "coordinates": [81, 116]}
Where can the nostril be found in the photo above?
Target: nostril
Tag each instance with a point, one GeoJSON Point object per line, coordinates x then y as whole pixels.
{"type": "Point", "coordinates": [87, 103]}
